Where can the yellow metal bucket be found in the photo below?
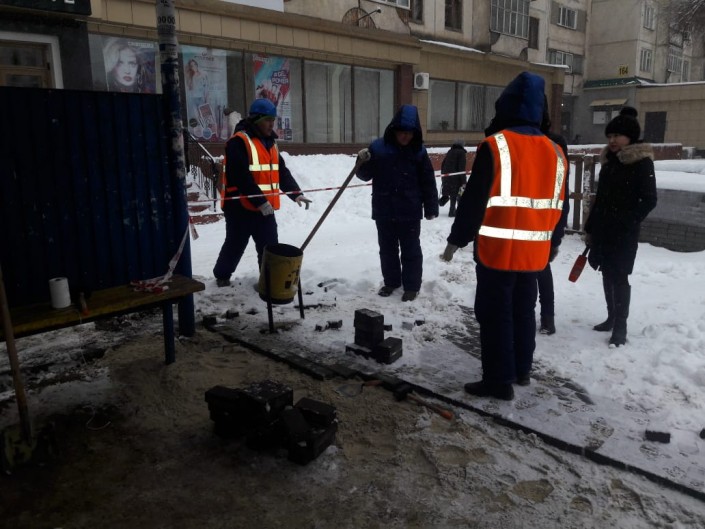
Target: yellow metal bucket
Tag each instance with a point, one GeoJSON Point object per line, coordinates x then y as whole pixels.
{"type": "Point", "coordinates": [282, 264]}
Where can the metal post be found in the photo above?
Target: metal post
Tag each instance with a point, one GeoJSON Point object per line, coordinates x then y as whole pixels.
{"type": "Point", "coordinates": [169, 57]}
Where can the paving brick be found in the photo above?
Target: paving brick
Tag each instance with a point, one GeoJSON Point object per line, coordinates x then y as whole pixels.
{"type": "Point", "coordinates": [388, 351]}
{"type": "Point", "coordinates": [369, 337]}
{"type": "Point", "coordinates": [316, 412]}
{"type": "Point", "coordinates": [306, 451]}
{"type": "Point", "coordinates": [368, 320]}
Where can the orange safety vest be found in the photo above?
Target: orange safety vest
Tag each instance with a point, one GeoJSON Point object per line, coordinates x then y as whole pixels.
{"type": "Point", "coordinates": [525, 202]}
{"type": "Point", "coordinates": [264, 167]}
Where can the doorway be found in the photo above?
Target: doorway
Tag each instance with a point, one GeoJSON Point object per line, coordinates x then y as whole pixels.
{"type": "Point", "coordinates": [25, 64]}
{"type": "Point", "coordinates": [655, 127]}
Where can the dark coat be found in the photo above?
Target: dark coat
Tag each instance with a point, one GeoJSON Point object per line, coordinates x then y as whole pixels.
{"type": "Point", "coordinates": [519, 109]}
{"type": "Point", "coordinates": [403, 179]}
{"type": "Point", "coordinates": [238, 173]}
{"type": "Point", "coordinates": [454, 162]}
{"type": "Point", "coordinates": [559, 230]}
{"type": "Point", "coordinates": [626, 193]}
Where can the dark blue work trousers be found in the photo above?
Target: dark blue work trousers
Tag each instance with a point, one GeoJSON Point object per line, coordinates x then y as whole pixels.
{"type": "Point", "coordinates": [546, 297]}
{"type": "Point", "coordinates": [504, 308]}
{"type": "Point", "coordinates": [407, 270]}
{"type": "Point", "coordinates": [240, 225]}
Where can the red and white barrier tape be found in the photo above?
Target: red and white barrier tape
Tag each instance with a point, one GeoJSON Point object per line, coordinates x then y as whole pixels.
{"type": "Point", "coordinates": [441, 175]}
{"type": "Point", "coordinates": [159, 284]}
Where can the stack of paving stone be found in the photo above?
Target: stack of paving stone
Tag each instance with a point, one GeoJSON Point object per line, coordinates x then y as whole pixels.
{"type": "Point", "coordinates": [264, 414]}
{"type": "Point", "coordinates": [369, 338]}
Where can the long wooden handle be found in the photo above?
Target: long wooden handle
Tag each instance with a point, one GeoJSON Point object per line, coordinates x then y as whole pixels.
{"type": "Point", "coordinates": [358, 163]}
{"type": "Point", "coordinates": [446, 414]}
{"type": "Point", "coordinates": [14, 363]}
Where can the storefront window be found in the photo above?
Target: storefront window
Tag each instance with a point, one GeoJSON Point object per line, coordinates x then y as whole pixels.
{"type": "Point", "coordinates": [343, 104]}
{"type": "Point", "coordinates": [441, 115]}
{"type": "Point", "coordinates": [373, 103]}
{"type": "Point", "coordinates": [121, 64]}
{"type": "Point", "coordinates": [327, 94]}
{"type": "Point", "coordinates": [206, 92]}
{"type": "Point", "coordinates": [472, 111]}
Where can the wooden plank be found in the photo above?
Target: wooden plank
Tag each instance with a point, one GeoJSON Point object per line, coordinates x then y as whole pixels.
{"type": "Point", "coordinates": [41, 317]}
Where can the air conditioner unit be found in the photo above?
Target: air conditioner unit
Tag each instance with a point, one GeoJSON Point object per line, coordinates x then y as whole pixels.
{"type": "Point", "coordinates": [421, 81]}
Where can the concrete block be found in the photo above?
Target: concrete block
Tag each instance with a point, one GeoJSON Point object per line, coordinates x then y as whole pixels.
{"type": "Point", "coordinates": [368, 320]}
{"type": "Point", "coordinates": [359, 350]}
{"type": "Point", "coordinates": [306, 451]}
{"type": "Point", "coordinates": [316, 412]}
{"type": "Point", "coordinates": [388, 351]}
{"type": "Point", "coordinates": [368, 337]}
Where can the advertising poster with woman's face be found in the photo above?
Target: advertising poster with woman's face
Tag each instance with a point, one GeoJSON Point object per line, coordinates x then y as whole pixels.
{"type": "Point", "coordinates": [129, 65]}
{"type": "Point", "coordinates": [205, 84]}
{"type": "Point", "coordinates": [272, 82]}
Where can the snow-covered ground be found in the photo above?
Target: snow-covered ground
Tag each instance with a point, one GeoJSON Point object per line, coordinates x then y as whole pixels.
{"type": "Point", "coordinates": [656, 381]}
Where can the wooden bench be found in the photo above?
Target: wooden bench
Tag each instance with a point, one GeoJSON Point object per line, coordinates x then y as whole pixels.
{"type": "Point", "coordinates": [41, 317]}
{"type": "Point", "coordinates": [103, 203]}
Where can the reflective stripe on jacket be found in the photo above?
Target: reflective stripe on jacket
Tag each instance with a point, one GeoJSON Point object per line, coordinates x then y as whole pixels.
{"type": "Point", "coordinates": [525, 202]}
{"type": "Point", "coordinates": [264, 167]}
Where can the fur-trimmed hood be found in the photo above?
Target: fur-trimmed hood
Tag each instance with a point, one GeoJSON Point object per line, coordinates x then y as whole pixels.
{"type": "Point", "coordinates": [630, 154]}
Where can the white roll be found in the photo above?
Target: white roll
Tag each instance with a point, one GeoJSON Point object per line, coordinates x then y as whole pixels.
{"type": "Point", "coordinates": [60, 296]}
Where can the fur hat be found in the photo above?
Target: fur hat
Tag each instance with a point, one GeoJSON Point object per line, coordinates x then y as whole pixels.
{"type": "Point", "coordinates": [625, 124]}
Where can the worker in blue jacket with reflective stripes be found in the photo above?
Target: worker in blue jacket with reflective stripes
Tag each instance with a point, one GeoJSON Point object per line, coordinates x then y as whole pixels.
{"type": "Point", "coordinates": [403, 192]}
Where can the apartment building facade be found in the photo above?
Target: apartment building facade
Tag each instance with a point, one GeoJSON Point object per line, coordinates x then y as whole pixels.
{"type": "Point", "coordinates": [339, 69]}
{"type": "Point", "coordinates": [337, 76]}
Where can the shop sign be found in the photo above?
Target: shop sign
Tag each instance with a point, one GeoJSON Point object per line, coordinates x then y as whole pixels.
{"type": "Point", "coordinates": [77, 7]}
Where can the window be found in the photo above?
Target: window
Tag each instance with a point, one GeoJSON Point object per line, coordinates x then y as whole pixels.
{"type": "Point", "coordinates": [345, 104]}
{"type": "Point", "coordinates": [373, 106]}
{"type": "Point", "coordinates": [327, 89]}
{"type": "Point", "coordinates": [461, 106]}
{"type": "Point", "coordinates": [674, 63]}
{"type": "Point", "coordinates": [534, 33]}
{"type": "Point", "coordinates": [685, 75]}
{"type": "Point", "coordinates": [649, 16]}
{"type": "Point", "coordinates": [561, 57]}
{"type": "Point", "coordinates": [567, 17]}
{"type": "Point", "coordinates": [416, 14]}
{"type": "Point", "coordinates": [398, 3]}
{"type": "Point", "coordinates": [510, 17]}
{"type": "Point", "coordinates": [454, 14]}
{"type": "Point", "coordinates": [471, 99]}
{"type": "Point", "coordinates": [645, 59]}
{"type": "Point", "coordinates": [441, 115]}
{"type": "Point", "coordinates": [599, 117]}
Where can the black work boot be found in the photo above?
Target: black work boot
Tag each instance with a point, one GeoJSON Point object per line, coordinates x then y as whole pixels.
{"type": "Point", "coordinates": [487, 389]}
{"type": "Point", "coordinates": [547, 325]}
{"type": "Point", "coordinates": [606, 325]}
{"type": "Point", "coordinates": [622, 298]}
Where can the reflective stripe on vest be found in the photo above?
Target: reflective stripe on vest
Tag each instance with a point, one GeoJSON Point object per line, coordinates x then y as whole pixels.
{"type": "Point", "coordinates": [264, 167]}
{"type": "Point", "coordinates": [522, 212]}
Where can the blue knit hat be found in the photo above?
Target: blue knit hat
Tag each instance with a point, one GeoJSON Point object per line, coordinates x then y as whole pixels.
{"type": "Point", "coordinates": [262, 108]}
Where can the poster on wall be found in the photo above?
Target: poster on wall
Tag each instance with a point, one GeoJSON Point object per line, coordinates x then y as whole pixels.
{"type": "Point", "coordinates": [272, 76]}
{"type": "Point", "coordinates": [206, 87]}
{"type": "Point", "coordinates": [129, 65]}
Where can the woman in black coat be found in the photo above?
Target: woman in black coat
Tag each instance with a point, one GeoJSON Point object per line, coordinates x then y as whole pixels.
{"type": "Point", "coordinates": [626, 193]}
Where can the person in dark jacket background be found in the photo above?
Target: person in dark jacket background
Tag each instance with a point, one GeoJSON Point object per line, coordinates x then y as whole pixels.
{"type": "Point", "coordinates": [454, 162]}
{"type": "Point", "coordinates": [626, 193]}
{"type": "Point", "coordinates": [403, 192]}
{"type": "Point", "coordinates": [511, 205]}
{"type": "Point", "coordinates": [545, 276]}
{"type": "Point", "coordinates": [252, 216]}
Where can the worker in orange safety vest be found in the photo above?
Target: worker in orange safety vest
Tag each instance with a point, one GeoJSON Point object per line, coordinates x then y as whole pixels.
{"type": "Point", "coordinates": [254, 174]}
{"type": "Point", "coordinates": [510, 208]}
